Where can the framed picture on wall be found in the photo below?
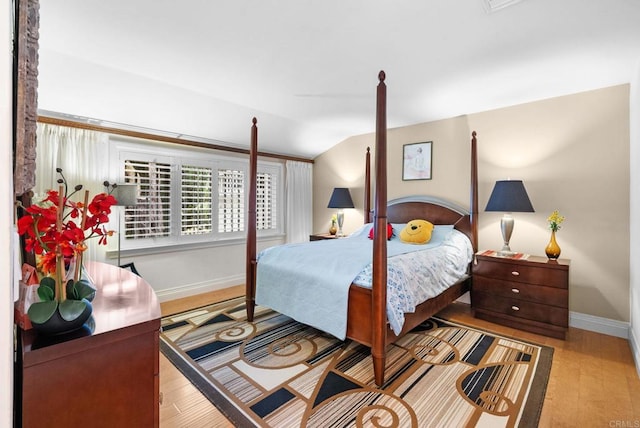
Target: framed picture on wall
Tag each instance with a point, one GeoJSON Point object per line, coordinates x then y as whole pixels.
{"type": "Point", "coordinates": [416, 161]}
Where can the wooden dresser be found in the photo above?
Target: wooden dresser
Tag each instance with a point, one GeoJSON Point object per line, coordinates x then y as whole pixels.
{"type": "Point", "coordinates": [106, 376]}
{"type": "Point", "coordinates": [530, 294]}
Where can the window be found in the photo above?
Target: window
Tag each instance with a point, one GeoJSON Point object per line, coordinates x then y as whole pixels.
{"type": "Point", "coordinates": [151, 216]}
{"type": "Point", "coordinates": [230, 200]}
{"type": "Point", "coordinates": [266, 218]}
{"type": "Point", "coordinates": [193, 196]}
{"type": "Point", "coordinates": [195, 189]}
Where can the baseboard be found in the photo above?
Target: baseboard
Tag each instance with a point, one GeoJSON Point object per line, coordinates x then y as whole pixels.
{"type": "Point", "coordinates": [634, 343]}
{"type": "Point", "coordinates": [600, 325]}
{"type": "Point", "coordinates": [199, 288]}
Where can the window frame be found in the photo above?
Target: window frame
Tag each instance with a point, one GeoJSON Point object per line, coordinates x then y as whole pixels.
{"type": "Point", "coordinates": [122, 148]}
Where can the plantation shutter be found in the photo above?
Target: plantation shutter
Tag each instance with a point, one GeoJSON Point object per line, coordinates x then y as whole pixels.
{"type": "Point", "coordinates": [196, 217]}
{"type": "Point", "coordinates": [266, 201]}
{"type": "Point", "coordinates": [231, 200]}
{"type": "Point", "coordinates": [193, 198]}
{"type": "Point", "coordinates": [151, 217]}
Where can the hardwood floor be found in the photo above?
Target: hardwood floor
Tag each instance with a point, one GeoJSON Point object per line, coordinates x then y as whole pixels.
{"type": "Point", "coordinates": [593, 382]}
{"type": "Point", "coordinates": [182, 403]}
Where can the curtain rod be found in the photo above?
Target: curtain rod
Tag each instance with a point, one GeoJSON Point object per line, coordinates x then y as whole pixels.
{"type": "Point", "coordinates": [166, 139]}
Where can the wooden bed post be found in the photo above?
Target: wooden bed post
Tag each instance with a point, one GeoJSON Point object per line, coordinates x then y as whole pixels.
{"type": "Point", "coordinates": [367, 187]}
{"type": "Point", "coordinates": [367, 318]}
{"type": "Point", "coordinates": [379, 282]}
{"type": "Point", "coordinates": [473, 212]}
{"type": "Point", "coordinates": [250, 280]}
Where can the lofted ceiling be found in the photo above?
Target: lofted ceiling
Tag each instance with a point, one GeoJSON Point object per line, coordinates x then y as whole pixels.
{"type": "Point", "coordinates": [308, 69]}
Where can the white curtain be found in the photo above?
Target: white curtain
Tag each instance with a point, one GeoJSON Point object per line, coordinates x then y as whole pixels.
{"type": "Point", "coordinates": [83, 157]}
{"type": "Point", "coordinates": [299, 201]}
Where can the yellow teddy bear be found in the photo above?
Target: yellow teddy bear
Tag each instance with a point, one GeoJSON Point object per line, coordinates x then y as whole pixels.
{"type": "Point", "coordinates": [416, 232]}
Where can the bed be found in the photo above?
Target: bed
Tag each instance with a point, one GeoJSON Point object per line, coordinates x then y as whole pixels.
{"type": "Point", "coordinates": [366, 308]}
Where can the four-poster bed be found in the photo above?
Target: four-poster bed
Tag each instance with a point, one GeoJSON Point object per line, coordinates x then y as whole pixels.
{"type": "Point", "coordinates": [366, 317]}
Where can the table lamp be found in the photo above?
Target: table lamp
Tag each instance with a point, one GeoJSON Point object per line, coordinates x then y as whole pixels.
{"type": "Point", "coordinates": [126, 196]}
{"type": "Point", "coordinates": [340, 198]}
{"type": "Point", "coordinates": [508, 196]}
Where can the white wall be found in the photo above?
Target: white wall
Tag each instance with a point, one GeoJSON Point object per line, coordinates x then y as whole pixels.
{"type": "Point", "coordinates": [178, 274]}
{"type": "Point", "coordinates": [634, 230]}
{"type": "Point", "coordinates": [6, 220]}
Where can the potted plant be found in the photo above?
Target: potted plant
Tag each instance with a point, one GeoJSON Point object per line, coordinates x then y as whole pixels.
{"type": "Point", "coordinates": [57, 230]}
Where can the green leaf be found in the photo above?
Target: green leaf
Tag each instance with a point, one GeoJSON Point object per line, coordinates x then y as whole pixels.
{"type": "Point", "coordinates": [72, 292]}
{"type": "Point", "coordinates": [84, 289]}
{"type": "Point", "coordinates": [40, 312]}
{"type": "Point", "coordinates": [50, 283]}
{"type": "Point", "coordinates": [45, 293]}
{"type": "Point", "coordinates": [72, 309]}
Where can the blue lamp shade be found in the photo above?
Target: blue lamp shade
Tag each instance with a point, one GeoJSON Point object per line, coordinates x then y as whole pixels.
{"type": "Point", "coordinates": [509, 196]}
{"type": "Point", "coordinates": [340, 198]}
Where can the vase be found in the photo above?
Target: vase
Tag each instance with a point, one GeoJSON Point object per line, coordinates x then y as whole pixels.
{"type": "Point", "coordinates": [64, 304]}
{"type": "Point", "coordinates": [553, 249]}
{"type": "Point", "coordinates": [333, 229]}
{"type": "Point", "coordinates": [56, 325]}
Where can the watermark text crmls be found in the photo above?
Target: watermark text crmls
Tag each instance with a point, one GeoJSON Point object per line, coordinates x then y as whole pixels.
{"type": "Point", "coordinates": [622, 423]}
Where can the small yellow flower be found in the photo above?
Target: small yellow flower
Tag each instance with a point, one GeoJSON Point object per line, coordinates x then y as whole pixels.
{"type": "Point", "coordinates": [334, 219]}
{"type": "Point", "coordinates": [554, 220]}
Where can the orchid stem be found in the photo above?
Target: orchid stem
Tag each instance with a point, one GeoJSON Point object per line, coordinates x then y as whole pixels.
{"type": "Point", "coordinates": [76, 274]}
{"type": "Point", "coordinates": [61, 292]}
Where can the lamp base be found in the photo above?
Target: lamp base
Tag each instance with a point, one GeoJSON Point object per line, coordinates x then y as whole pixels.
{"type": "Point", "coordinates": [506, 226]}
{"type": "Point", "coordinates": [506, 251]}
{"type": "Point", "coordinates": [340, 223]}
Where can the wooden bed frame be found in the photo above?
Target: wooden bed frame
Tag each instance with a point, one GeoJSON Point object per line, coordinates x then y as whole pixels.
{"type": "Point", "coordinates": [367, 316]}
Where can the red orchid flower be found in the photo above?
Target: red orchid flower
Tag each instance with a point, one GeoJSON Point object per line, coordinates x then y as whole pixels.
{"type": "Point", "coordinates": [40, 228]}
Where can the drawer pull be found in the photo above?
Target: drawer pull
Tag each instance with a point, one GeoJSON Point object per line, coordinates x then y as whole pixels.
{"type": "Point", "coordinates": [515, 273]}
{"type": "Point", "coordinates": [515, 290]}
{"type": "Point", "coordinates": [515, 308]}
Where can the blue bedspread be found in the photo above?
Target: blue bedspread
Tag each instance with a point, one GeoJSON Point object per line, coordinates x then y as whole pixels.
{"type": "Point", "coordinates": [310, 281]}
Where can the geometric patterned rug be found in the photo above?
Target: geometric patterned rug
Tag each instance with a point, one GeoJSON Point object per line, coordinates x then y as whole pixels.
{"type": "Point", "coordinates": [276, 372]}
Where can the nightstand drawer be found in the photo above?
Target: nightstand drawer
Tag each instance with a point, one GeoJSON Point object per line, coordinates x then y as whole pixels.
{"type": "Point", "coordinates": [517, 290]}
{"type": "Point", "coordinates": [521, 309]}
{"type": "Point", "coordinates": [522, 272]}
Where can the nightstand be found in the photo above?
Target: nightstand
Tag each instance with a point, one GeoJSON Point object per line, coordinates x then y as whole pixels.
{"type": "Point", "coordinates": [530, 293]}
{"type": "Point", "coordinates": [321, 236]}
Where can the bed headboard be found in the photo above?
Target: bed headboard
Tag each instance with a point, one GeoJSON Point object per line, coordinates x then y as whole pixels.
{"type": "Point", "coordinates": [433, 209]}
{"type": "Point", "coordinates": [430, 208]}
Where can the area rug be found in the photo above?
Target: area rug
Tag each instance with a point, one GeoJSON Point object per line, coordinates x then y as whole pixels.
{"type": "Point", "coordinates": [276, 372]}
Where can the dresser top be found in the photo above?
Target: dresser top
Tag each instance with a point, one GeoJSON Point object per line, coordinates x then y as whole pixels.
{"type": "Point", "coordinates": [124, 302]}
{"type": "Point", "coordinates": [523, 259]}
